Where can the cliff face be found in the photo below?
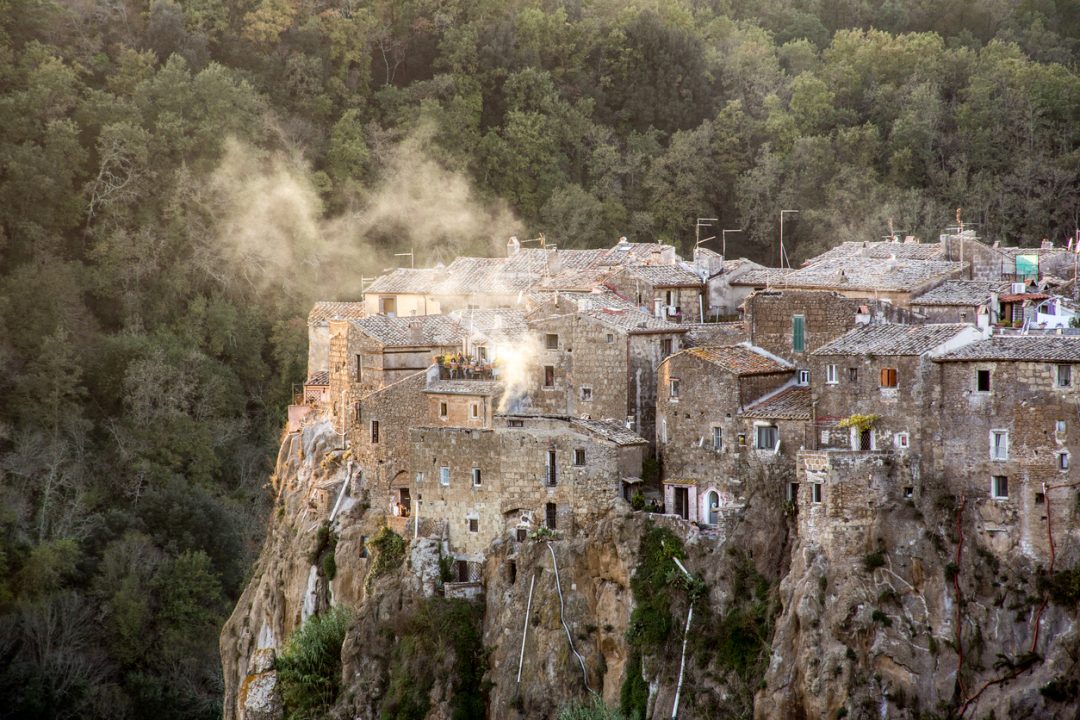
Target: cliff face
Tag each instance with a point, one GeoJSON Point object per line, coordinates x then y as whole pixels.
{"type": "Point", "coordinates": [857, 623]}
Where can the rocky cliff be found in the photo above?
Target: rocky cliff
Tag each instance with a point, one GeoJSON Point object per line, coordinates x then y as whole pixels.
{"type": "Point", "coordinates": [909, 617]}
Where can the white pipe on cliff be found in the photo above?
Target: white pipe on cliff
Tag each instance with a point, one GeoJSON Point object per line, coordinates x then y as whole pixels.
{"type": "Point", "coordinates": [525, 627]}
{"type": "Point", "coordinates": [686, 634]}
{"type": "Point", "coordinates": [562, 619]}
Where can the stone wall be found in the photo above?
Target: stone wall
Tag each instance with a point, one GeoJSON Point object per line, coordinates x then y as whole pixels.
{"type": "Point", "coordinates": [514, 487]}
{"type": "Point", "coordinates": [646, 352]}
{"type": "Point", "coordinates": [470, 411]}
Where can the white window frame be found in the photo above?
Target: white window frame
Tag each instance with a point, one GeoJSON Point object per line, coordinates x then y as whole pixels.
{"type": "Point", "coordinates": [1067, 368]}
{"type": "Point", "coordinates": [1059, 426]}
{"type": "Point", "coordinates": [804, 377]}
{"type": "Point", "coordinates": [757, 437]}
{"type": "Point", "coordinates": [831, 376]}
{"type": "Point", "coordinates": [444, 476]}
{"type": "Point", "coordinates": [1063, 461]}
{"type": "Point", "coordinates": [574, 457]}
{"type": "Point", "coordinates": [995, 488]}
{"type": "Point", "coordinates": [673, 389]}
{"type": "Point", "coordinates": [419, 478]}
{"type": "Point", "coordinates": [477, 477]}
{"type": "Point", "coordinates": [717, 437]}
{"type": "Point", "coordinates": [995, 455]}
{"type": "Point", "coordinates": [903, 440]}
{"type": "Point", "coordinates": [817, 493]}
{"type": "Point", "coordinates": [474, 411]}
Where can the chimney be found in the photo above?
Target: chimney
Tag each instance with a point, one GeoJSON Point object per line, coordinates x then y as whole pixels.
{"type": "Point", "coordinates": [554, 261]}
{"type": "Point", "coordinates": [512, 246]}
{"type": "Point", "coordinates": [667, 255]}
{"type": "Point", "coordinates": [709, 263]}
{"type": "Point", "coordinates": [416, 332]}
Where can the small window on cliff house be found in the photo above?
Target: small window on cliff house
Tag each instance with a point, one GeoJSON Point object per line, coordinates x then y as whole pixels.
{"type": "Point", "coordinates": [804, 377]}
{"type": "Point", "coordinates": [717, 438]}
{"type": "Point", "coordinates": [999, 445]}
{"type": "Point", "coordinates": [909, 492]}
{"type": "Point", "coordinates": [793, 492]}
{"type": "Point", "coordinates": [474, 410]}
{"type": "Point", "coordinates": [1063, 375]}
{"type": "Point", "coordinates": [374, 431]}
{"type": "Point", "coordinates": [830, 375]}
{"type": "Point", "coordinates": [579, 457]}
{"type": "Point", "coordinates": [551, 341]}
{"type": "Point", "coordinates": [550, 516]}
{"type": "Point", "coordinates": [444, 410]}
{"type": "Point", "coordinates": [610, 337]}
{"type": "Point", "coordinates": [999, 487]}
{"type": "Point", "coordinates": [742, 440]}
{"type": "Point", "coordinates": [903, 440]}
{"type": "Point", "coordinates": [767, 437]}
{"type": "Point", "coordinates": [515, 423]}
{"type": "Point", "coordinates": [549, 376]}
{"type": "Point", "coordinates": [665, 347]}
{"type": "Point", "coordinates": [444, 476]}
{"type": "Point", "coordinates": [817, 492]}
{"type": "Point", "coordinates": [674, 388]}
{"type": "Point", "coordinates": [1059, 426]}
{"type": "Point", "coordinates": [474, 524]}
{"type": "Point", "coordinates": [476, 479]}
{"type": "Point", "coordinates": [419, 478]}
{"type": "Point", "coordinates": [888, 377]}
{"type": "Point", "coordinates": [359, 368]}
{"type": "Point", "coordinates": [356, 412]}
{"type": "Point", "coordinates": [798, 333]}
{"type": "Point", "coordinates": [551, 469]}
{"type": "Point", "coordinates": [982, 381]}
{"type": "Point", "coordinates": [586, 393]}
{"type": "Point", "coordinates": [1063, 461]}
{"type": "Point", "coordinates": [853, 374]}
{"type": "Point", "coordinates": [1040, 498]}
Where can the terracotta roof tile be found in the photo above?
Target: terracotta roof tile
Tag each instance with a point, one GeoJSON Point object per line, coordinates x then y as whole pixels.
{"type": "Point", "coordinates": [960, 292]}
{"type": "Point", "coordinates": [418, 331]}
{"type": "Point", "coordinates": [793, 403]}
{"type": "Point", "coordinates": [326, 310]}
{"type": "Point", "coordinates": [1021, 348]}
{"type": "Point", "coordinates": [893, 339]}
{"type": "Point", "coordinates": [740, 359]}
{"type": "Point", "coordinates": [862, 273]}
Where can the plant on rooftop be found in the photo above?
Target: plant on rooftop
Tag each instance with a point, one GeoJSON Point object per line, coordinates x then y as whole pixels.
{"type": "Point", "coordinates": [861, 422]}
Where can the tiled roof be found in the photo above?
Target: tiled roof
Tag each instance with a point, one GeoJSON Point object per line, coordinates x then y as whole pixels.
{"type": "Point", "coordinates": [861, 273]}
{"type": "Point", "coordinates": [607, 430]}
{"type": "Point", "coordinates": [740, 359]}
{"type": "Point", "coordinates": [792, 403]}
{"type": "Point", "coordinates": [621, 314]}
{"type": "Point", "coordinates": [960, 292]}
{"type": "Point", "coordinates": [325, 310]}
{"type": "Point", "coordinates": [486, 388]}
{"type": "Point", "coordinates": [628, 253]}
{"type": "Point", "coordinates": [405, 280]}
{"type": "Point", "coordinates": [481, 276]}
{"type": "Point", "coordinates": [1021, 297]}
{"type": "Point", "coordinates": [892, 339]}
{"type": "Point", "coordinates": [493, 323]}
{"type": "Point", "coordinates": [881, 250]}
{"type": "Point", "coordinates": [320, 377]}
{"type": "Point", "coordinates": [762, 276]}
{"type": "Point", "coordinates": [665, 275]}
{"type": "Point", "coordinates": [418, 331]}
{"type": "Point", "coordinates": [1029, 348]}
{"type": "Point", "coordinates": [725, 333]}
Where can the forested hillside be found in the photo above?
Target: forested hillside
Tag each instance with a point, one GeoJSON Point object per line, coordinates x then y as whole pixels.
{"type": "Point", "coordinates": [179, 180]}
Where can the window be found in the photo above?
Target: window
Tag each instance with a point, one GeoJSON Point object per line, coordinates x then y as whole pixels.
{"type": "Point", "coordinates": [1063, 461]}
{"type": "Point", "coordinates": [550, 515]}
{"type": "Point", "coordinates": [816, 492]}
{"type": "Point", "coordinates": [1064, 375]}
{"type": "Point", "coordinates": [359, 368]}
{"type": "Point", "coordinates": [515, 423]}
{"type": "Point", "coordinates": [476, 480]}
{"type": "Point", "coordinates": [999, 445]}
{"type": "Point", "coordinates": [552, 469]}
{"type": "Point", "coordinates": [551, 341]}
{"type": "Point", "coordinates": [903, 440]}
{"type": "Point", "coordinates": [767, 437]}
{"type": "Point", "coordinates": [853, 374]}
{"type": "Point", "coordinates": [1059, 426]}
{"type": "Point", "coordinates": [982, 380]}
{"type": "Point", "coordinates": [830, 375]}
{"type": "Point", "coordinates": [804, 377]}
{"type": "Point", "coordinates": [444, 476]}
{"type": "Point", "coordinates": [669, 298]}
{"type": "Point", "coordinates": [717, 438]}
{"type": "Point", "coordinates": [579, 456]}
{"type": "Point", "coordinates": [888, 377]}
{"type": "Point", "coordinates": [909, 492]}
{"type": "Point", "coordinates": [665, 347]}
{"type": "Point", "coordinates": [793, 492]}
{"type": "Point", "coordinates": [586, 393]}
{"type": "Point", "coordinates": [610, 338]}
{"type": "Point", "coordinates": [474, 524]}
{"type": "Point", "coordinates": [374, 431]}
{"type": "Point", "coordinates": [474, 410]}
{"type": "Point", "coordinates": [356, 411]}
{"type": "Point", "coordinates": [673, 388]}
{"type": "Point", "coordinates": [549, 376]}
{"type": "Point", "coordinates": [419, 478]}
{"type": "Point", "coordinates": [444, 410]}
{"type": "Point", "coordinates": [481, 353]}
{"type": "Point", "coordinates": [742, 440]}
{"type": "Point", "coordinates": [1040, 498]}
{"type": "Point", "coordinates": [999, 487]}
{"type": "Point", "coordinates": [798, 333]}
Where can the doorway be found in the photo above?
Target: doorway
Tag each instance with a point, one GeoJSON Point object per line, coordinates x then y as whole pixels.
{"type": "Point", "coordinates": [682, 502]}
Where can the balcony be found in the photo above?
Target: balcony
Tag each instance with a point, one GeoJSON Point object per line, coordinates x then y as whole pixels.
{"type": "Point", "coordinates": [461, 367]}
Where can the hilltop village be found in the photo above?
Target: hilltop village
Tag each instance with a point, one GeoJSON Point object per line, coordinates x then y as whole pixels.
{"type": "Point", "coordinates": [495, 398]}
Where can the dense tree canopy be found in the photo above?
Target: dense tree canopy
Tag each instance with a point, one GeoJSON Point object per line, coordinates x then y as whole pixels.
{"type": "Point", "coordinates": [179, 179]}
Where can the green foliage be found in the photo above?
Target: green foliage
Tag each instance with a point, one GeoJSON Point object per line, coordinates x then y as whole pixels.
{"type": "Point", "coordinates": [637, 501]}
{"type": "Point", "coordinates": [441, 640]}
{"type": "Point", "coordinates": [1063, 586]}
{"type": "Point", "coordinates": [880, 617]}
{"type": "Point", "coordinates": [593, 710]}
{"type": "Point", "coordinates": [1061, 690]}
{"type": "Point", "coordinates": [389, 550]}
{"type": "Point", "coordinates": [309, 667]}
{"type": "Point", "coordinates": [872, 561]}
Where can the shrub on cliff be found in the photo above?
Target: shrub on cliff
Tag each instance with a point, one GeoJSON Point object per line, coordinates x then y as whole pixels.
{"type": "Point", "coordinates": [309, 668]}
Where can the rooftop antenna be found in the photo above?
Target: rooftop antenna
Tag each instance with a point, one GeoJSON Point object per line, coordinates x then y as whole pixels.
{"type": "Point", "coordinates": [782, 253]}
{"type": "Point", "coordinates": [410, 255]}
{"type": "Point", "coordinates": [365, 281]}
{"type": "Point", "coordinates": [702, 222]}
{"type": "Point", "coordinates": [542, 240]}
{"type": "Point", "coordinates": [724, 233]}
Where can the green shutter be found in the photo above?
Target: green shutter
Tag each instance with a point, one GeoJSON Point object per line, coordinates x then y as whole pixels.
{"type": "Point", "coordinates": [798, 333]}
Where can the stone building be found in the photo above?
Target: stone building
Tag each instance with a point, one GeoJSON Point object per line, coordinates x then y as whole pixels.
{"type": "Point", "coordinates": [1008, 408]}
{"type": "Point", "coordinates": [318, 322]}
{"type": "Point", "coordinates": [596, 355]}
{"type": "Point", "coordinates": [675, 292]}
{"type": "Point", "coordinates": [518, 474]}
{"type": "Point", "coordinates": [884, 374]}
{"type": "Point", "coordinates": [895, 279]}
{"type": "Point", "coordinates": [994, 263]}
{"type": "Point", "coordinates": [403, 292]}
{"type": "Point", "coordinates": [973, 301]}
{"type": "Point", "coordinates": [704, 439]}
{"type": "Point", "coordinates": [373, 352]}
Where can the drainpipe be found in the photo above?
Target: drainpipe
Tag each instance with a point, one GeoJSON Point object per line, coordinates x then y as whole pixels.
{"type": "Point", "coordinates": [686, 635]}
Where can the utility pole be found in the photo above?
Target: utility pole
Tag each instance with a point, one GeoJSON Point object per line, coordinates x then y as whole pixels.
{"type": "Point", "coordinates": [724, 233]}
{"type": "Point", "coordinates": [410, 255]}
{"type": "Point", "coordinates": [702, 222]}
{"type": "Point", "coordinates": [782, 253]}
